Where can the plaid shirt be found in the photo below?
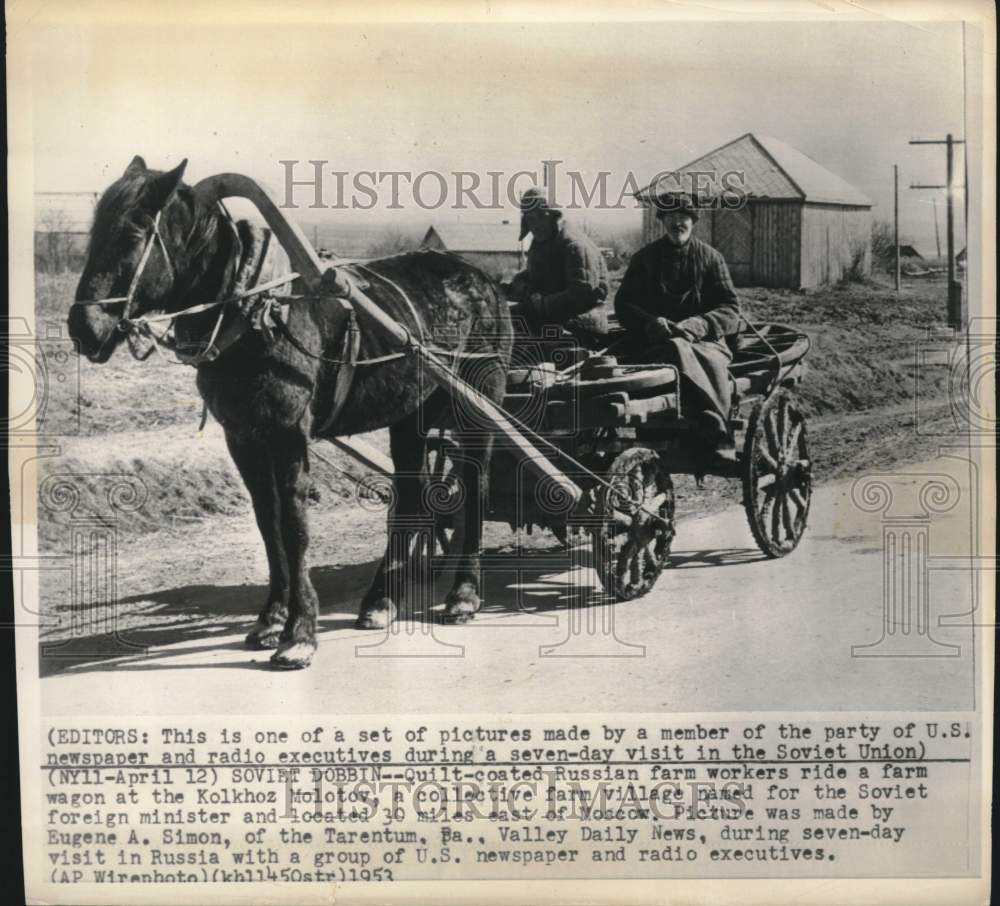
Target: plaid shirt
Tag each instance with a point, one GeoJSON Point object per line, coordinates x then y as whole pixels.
{"type": "Point", "coordinates": [689, 285]}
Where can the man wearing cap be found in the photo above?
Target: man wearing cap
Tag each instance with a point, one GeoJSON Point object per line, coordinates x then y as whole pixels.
{"type": "Point", "coordinates": [566, 280]}
{"type": "Point", "coordinates": [679, 305]}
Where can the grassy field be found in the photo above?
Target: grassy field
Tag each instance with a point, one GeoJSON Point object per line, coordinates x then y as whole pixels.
{"type": "Point", "coordinates": [141, 419]}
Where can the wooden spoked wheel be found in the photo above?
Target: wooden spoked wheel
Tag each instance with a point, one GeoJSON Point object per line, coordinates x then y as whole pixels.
{"type": "Point", "coordinates": [632, 544]}
{"type": "Point", "coordinates": [777, 475]}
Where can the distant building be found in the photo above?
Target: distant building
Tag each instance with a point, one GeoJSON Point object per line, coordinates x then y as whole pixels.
{"type": "Point", "coordinates": [800, 225]}
{"type": "Point", "coordinates": [908, 251]}
{"type": "Point", "coordinates": [494, 247]}
{"type": "Point", "coordinates": [961, 259]}
{"type": "Point", "coordinates": [611, 257]}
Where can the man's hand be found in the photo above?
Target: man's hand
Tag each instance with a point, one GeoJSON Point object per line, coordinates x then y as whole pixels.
{"type": "Point", "coordinates": [664, 329]}
{"type": "Point", "coordinates": [531, 308]}
{"type": "Point", "coordinates": [516, 288]}
{"type": "Point", "coordinates": [535, 306]}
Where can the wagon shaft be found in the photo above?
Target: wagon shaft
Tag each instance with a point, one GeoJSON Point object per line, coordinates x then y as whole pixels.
{"type": "Point", "coordinates": [326, 281]}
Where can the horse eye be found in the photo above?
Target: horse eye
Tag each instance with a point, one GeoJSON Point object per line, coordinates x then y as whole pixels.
{"type": "Point", "coordinates": [136, 230]}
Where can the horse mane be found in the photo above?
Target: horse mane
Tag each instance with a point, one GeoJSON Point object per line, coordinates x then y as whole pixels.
{"type": "Point", "coordinates": [193, 229]}
{"type": "Point", "coordinates": [120, 196]}
{"type": "Point", "coordinates": [204, 223]}
{"type": "Point", "coordinates": [126, 193]}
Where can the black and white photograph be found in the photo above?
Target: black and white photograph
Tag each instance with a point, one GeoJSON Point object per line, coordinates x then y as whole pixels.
{"type": "Point", "coordinates": [471, 452]}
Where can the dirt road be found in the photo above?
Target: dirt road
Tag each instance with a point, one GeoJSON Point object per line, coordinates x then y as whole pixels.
{"type": "Point", "coordinates": [723, 630]}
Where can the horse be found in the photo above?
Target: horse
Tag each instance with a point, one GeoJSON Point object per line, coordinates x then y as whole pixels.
{"type": "Point", "coordinates": [157, 248]}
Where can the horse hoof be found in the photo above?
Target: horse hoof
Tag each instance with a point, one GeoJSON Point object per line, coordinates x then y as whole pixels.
{"type": "Point", "coordinates": [379, 617]}
{"type": "Point", "coordinates": [262, 638]}
{"type": "Point", "coordinates": [293, 655]}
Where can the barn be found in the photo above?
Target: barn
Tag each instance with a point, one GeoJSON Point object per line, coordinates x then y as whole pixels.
{"type": "Point", "coordinates": [493, 247]}
{"type": "Point", "coordinates": [797, 225]}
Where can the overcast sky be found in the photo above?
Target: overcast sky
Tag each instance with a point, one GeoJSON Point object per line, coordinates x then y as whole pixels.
{"type": "Point", "coordinates": [625, 98]}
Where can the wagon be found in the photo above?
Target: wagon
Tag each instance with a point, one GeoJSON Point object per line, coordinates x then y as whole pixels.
{"type": "Point", "coordinates": [588, 443]}
{"type": "Point", "coordinates": [616, 427]}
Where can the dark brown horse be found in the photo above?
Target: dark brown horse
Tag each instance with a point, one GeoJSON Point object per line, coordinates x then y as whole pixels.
{"type": "Point", "coordinates": [155, 246]}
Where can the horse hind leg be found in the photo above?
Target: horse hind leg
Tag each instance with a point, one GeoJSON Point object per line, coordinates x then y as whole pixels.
{"type": "Point", "coordinates": [256, 469]}
{"type": "Point", "coordinates": [408, 526]}
{"type": "Point", "coordinates": [463, 600]}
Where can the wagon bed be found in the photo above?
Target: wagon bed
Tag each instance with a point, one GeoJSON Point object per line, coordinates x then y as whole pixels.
{"type": "Point", "coordinates": [620, 430]}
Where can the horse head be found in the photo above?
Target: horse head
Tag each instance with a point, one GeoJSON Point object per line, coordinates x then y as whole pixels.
{"type": "Point", "coordinates": [136, 246]}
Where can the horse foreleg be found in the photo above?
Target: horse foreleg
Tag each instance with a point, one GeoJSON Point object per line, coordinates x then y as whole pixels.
{"type": "Point", "coordinates": [463, 601]}
{"type": "Point", "coordinates": [254, 464]}
{"type": "Point", "coordinates": [289, 457]}
{"type": "Point", "coordinates": [407, 521]}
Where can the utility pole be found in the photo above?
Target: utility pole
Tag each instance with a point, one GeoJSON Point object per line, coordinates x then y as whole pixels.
{"type": "Point", "coordinates": [965, 150]}
{"type": "Point", "coordinates": [937, 234]}
{"type": "Point", "coordinates": [956, 316]}
{"type": "Point", "coordinates": [895, 219]}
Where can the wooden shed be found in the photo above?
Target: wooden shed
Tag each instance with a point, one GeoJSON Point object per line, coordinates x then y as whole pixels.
{"type": "Point", "coordinates": [494, 247]}
{"type": "Point", "coordinates": [787, 221]}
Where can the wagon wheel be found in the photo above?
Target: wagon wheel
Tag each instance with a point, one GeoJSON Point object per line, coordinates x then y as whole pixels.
{"type": "Point", "coordinates": [777, 475]}
{"type": "Point", "coordinates": [631, 547]}
{"type": "Point", "coordinates": [442, 489]}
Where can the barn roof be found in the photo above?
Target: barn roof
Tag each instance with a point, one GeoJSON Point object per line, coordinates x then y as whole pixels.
{"type": "Point", "coordinates": [771, 168]}
{"type": "Point", "coordinates": [477, 237]}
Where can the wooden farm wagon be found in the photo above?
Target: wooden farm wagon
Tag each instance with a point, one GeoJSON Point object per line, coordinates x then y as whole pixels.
{"type": "Point", "coordinates": [587, 442]}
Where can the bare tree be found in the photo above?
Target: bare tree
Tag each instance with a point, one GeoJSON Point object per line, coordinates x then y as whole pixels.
{"type": "Point", "coordinates": [883, 245]}
{"type": "Point", "coordinates": [54, 253]}
{"type": "Point", "coordinates": [392, 241]}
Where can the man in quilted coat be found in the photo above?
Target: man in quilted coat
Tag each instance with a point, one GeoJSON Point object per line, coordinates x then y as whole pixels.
{"type": "Point", "coordinates": [566, 280]}
{"type": "Point", "coordinates": [678, 303]}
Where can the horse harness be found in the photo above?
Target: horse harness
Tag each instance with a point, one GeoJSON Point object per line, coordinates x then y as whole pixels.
{"type": "Point", "coordinates": [260, 310]}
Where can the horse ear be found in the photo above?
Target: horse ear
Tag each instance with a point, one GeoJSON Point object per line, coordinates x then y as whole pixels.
{"type": "Point", "coordinates": [137, 166]}
{"type": "Point", "coordinates": [158, 192]}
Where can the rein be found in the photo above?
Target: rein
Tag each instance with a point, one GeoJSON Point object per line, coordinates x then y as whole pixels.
{"type": "Point", "coordinates": [143, 325]}
{"type": "Point", "coordinates": [129, 298]}
{"type": "Point", "coordinates": [124, 324]}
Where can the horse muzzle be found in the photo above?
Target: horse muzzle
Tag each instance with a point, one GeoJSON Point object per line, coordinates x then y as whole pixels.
{"type": "Point", "coordinates": [96, 335]}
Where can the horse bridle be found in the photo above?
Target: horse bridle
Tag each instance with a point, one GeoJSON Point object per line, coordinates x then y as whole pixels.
{"type": "Point", "coordinates": [125, 324]}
